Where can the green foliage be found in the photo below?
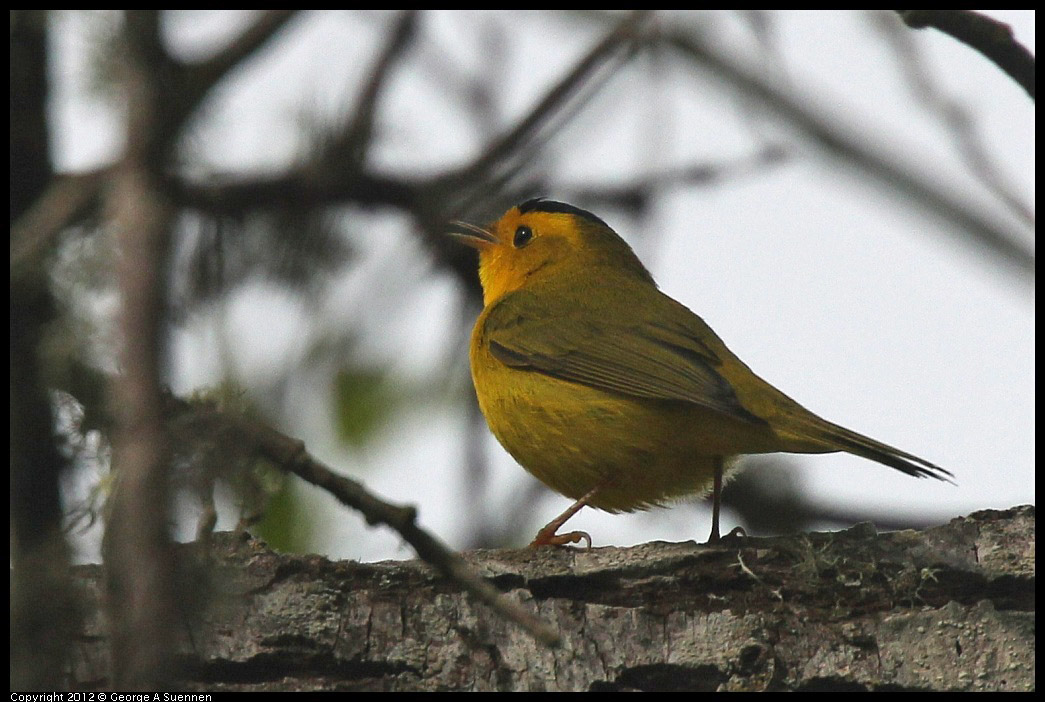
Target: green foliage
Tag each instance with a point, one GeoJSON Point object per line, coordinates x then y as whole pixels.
{"type": "Point", "coordinates": [364, 401]}
{"type": "Point", "coordinates": [289, 520]}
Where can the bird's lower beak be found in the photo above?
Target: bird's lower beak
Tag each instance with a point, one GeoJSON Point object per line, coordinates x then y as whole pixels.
{"type": "Point", "coordinates": [471, 235]}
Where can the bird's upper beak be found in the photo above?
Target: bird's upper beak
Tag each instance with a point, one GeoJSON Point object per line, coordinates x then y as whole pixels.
{"type": "Point", "coordinates": [472, 235]}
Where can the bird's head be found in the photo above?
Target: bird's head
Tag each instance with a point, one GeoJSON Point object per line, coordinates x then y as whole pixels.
{"type": "Point", "coordinates": [542, 239]}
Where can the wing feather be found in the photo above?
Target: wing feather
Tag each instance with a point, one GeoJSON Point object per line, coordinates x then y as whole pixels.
{"type": "Point", "coordinates": [657, 358]}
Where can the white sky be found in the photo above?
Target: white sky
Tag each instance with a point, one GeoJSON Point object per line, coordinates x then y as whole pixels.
{"type": "Point", "coordinates": [859, 306]}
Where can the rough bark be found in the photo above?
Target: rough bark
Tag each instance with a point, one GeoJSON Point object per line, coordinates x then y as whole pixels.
{"type": "Point", "coordinates": [947, 608]}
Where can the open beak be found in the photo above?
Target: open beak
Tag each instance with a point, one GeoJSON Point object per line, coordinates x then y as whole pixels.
{"type": "Point", "coordinates": [471, 235]}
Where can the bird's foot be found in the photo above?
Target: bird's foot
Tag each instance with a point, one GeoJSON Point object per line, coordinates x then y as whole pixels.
{"type": "Point", "coordinates": [736, 533]}
{"type": "Point", "coordinates": [548, 537]}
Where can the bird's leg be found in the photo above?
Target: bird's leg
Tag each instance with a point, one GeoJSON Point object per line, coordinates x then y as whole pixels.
{"type": "Point", "coordinates": [716, 501]}
{"type": "Point", "coordinates": [547, 535]}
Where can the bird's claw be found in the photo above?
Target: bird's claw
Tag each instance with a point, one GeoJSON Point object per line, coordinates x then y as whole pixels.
{"type": "Point", "coordinates": [547, 537]}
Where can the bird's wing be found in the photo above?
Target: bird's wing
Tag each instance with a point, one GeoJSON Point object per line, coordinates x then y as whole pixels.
{"type": "Point", "coordinates": [662, 357]}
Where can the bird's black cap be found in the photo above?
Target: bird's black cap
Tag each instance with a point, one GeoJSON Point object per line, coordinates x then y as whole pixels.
{"type": "Point", "coordinates": [539, 204]}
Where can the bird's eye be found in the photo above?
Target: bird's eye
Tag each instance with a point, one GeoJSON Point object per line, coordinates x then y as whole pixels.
{"type": "Point", "coordinates": [522, 237]}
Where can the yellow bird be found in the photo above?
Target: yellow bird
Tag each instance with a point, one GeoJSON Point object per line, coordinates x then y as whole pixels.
{"type": "Point", "coordinates": [609, 391]}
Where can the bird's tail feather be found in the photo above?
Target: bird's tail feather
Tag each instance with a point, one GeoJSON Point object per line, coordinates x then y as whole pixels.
{"type": "Point", "coordinates": [841, 439]}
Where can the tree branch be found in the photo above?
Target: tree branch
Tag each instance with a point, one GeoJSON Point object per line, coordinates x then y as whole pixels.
{"type": "Point", "coordinates": [44, 613]}
{"type": "Point", "coordinates": [290, 455]}
{"type": "Point", "coordinates": [948, 608]}
{"type": "Point", "coordinates": [954, 117]}
{"type": "Point", "coordinates": [990, 37]}
{"type": "Point", "coordinates": [349, 151]}
{"type": "Point", "coordinates": [35, 232]}
{"type": "Point", "coordinates": [517, 137]}
{"type": "Point", "coordinates": [636, 193]}
{"type": "Point", "coordinates": [199, 78]}
{"type": "Point", "coordinates": [848, 142]}
{"type": "Point", "coordinates": [302, 187]}
{"type": "Point", "coordinates": [137, 548]}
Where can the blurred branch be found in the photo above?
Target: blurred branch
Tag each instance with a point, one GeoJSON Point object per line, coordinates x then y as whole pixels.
{"type": "Point", "coordinates": [955, 118]}
{"type": "Point", "coordinates": [290, 455]}
{"type": "Point", "coordinates": [318, 183]}
{"type": "Point", "coordinates": [137, 549]}
{"type": "Point", "coordinates": [161, 96]}
{"type": "Point", "coordinates": [70, 196]}
{"type": "Point", "coordinates": [847, 142]}
{"type": "Point", "coordinates": [990, 37]}
{"type": "Point", "coordinates": [636, 194]}
{"type": "Point", "coordinates": [323, 182]}
{"type": "Point", "coordinates": [35, 232]}
{"type": "Point", "coordinates": [349, 151]}
{"type": "Point", "coordinates": [44, 606]}
{"type": "Point", "coordinates": [517, 137]}
{"type": "Point", "coordinates": [30, 91]}
{"type": "Point", "coordinates": [199, 78]}
{"type": "Point", "coordinates": [302, 187]}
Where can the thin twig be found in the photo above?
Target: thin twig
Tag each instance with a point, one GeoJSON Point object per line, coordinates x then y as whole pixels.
{"type": "Point", "coordinates": [751, 573]}
{"type": "Point", "coordinates": [635, 194]}
{"type": "Point", "coordinates": [990, 37]}
{"type": "Point", "coordinates": [518, 136]}
{"type": "Point", "coordinates": [954, 116]}
{"type": "Point", "coordinates": [201, 77]}
{"type": "Point", "coordinates": [351, 147]}
{"type": "Point", "coordinates": [848, 142]}
{"type": "Point", "coordinates": [290, 454]}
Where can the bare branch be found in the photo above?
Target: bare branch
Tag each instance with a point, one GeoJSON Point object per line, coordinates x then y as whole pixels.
{"type": "Point", "coordinates": [320, 182]}
{"type": "Point", "coordinates": [951, 113]}
{"type": "Point", "coordinates": [848, 142]}
{"type": "Point", "coordinates": [352, 145]}
{"type": "Point", "coordinates": [637, 193]}
{"type": "Point", "coordinates": [201, 77]}
{"type": "Point", "coordinates": [300, 188]}
{"type": "Point", "coordinates": [64, 201]}
{"type": "Point", "coordinates": [44, 613]}
{"type": "Point", "coordinates": [990, 37]}
{"type": "Point", "coordinates": [137, 548]}
{"type": "Point", "coordinates": [290, 455]}
{"type": "Point", "coordinates": [518, 136]}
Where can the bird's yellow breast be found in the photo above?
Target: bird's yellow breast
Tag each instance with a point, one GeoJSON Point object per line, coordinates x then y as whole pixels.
{"type": "Point", "coordinates": [573, 437]}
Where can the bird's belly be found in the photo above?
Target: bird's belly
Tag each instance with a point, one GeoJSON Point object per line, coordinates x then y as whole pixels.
{"type": "Point", "coordinates": [573, 438]}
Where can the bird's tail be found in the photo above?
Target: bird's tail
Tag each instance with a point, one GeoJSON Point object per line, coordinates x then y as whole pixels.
{"type": "Point", "coordinates": [838, 438]}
